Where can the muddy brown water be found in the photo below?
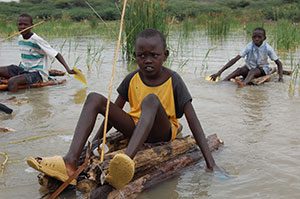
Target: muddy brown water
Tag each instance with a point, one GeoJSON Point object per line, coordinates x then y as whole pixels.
{"type": "Point", "coordinates": [259, 124]}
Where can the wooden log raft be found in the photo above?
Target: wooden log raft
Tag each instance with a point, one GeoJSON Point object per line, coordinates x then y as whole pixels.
{"type": "Point", "coordinates": [266, 78]}
{"type": "Point", "coordinates": [154, 163]}
{"type": "Point", "coordinates": [4, 86]}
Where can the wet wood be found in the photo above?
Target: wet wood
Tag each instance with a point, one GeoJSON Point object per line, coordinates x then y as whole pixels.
{"type": "Point", "coordinates": [4, 87]}
{"type": "Point", "coordinates": [157, 173]}
{"type": "Point", "coordinates": [154, 163]}
{"type": "Point", "coordinates": [5, 109]}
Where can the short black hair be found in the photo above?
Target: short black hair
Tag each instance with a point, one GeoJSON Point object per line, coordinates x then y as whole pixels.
{"type": "Point", "coordinates": [149, 32]}
{"type": "Point", "coordinates": [28, 16]}
{"type": "Point", "coordinates": [260, 29]}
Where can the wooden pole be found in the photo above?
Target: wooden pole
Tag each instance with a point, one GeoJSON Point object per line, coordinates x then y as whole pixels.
{"type": "Point", "coordinates": [17, 33]}
{"type": "Point", "coordinates": [116, 54]}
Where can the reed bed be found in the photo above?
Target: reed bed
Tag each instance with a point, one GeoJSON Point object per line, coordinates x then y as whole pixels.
{"type": "Point", "coordinates": [218, 27]}
{"type": "Point", "coordinates": [295, 66]}
{"type": "Point", "coordinates": [63, 28]}
{"type": "Point", "coordinates": [286, 35]}
{"type": "Point", "coordinates": [139, 16]}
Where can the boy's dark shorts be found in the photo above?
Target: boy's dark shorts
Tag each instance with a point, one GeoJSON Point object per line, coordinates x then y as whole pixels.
{"type": "Point", "coordinates": [262, 72]}
{"type": "Point", "coordinates": [31, 77]}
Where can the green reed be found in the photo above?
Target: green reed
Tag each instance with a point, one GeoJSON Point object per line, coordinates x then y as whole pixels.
{"type": "Point", "coordinates": [139, 16]}
{"type": "Point", "coordinates": [295, 66]}
{"type": "Point", "coordinates": [286, 35]}
{"type": "Point", "coordinates": [218, 26]}
{"type": "Point", "coordinates": [62, 28]}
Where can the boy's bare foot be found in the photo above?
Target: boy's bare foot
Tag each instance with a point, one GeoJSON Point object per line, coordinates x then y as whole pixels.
{"type": "Point", "coordinates": [240, 83]}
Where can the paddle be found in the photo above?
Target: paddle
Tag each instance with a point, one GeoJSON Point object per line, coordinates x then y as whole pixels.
{"type": "Point", "coordinates": [209, 78]}
{"type": "Point", "coordinates": [79, 76]}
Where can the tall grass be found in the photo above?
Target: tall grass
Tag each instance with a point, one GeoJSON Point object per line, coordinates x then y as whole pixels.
{"type": "Point", "coordinates": [295, 66]}
{"type": "Point", "coordinates": [62, 28]}
{"type": "Point", "coordinates": [218, 27]}
{"type": "Point", "coordinates": [286, 35]}
{"type": "Point", "coordinates": [139, 16]}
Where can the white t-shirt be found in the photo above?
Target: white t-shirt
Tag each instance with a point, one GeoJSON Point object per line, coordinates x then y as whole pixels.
{"type": "Point", "coordinates": [35, 53]}
{"type": "Point", "coordinates": [258, 56]}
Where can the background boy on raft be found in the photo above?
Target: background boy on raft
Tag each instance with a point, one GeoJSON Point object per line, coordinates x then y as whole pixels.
{"type": "Point", "coordinates": [35, 53]}
{"type": "Point", "coordinates": [256, 55]}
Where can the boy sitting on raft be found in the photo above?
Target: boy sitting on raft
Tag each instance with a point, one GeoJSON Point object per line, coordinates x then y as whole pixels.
{"type": "Point", "coordinates": [256, 53]}
{"type": "Point", "coordinates": [34, 57]}
{"type": "Point", "coordinates": [157, 97]}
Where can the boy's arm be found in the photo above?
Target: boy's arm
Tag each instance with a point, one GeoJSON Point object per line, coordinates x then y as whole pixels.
{"type": "Point", "coordinates": [120, 102]}
{"type": "Point", "coordinates": [280, 70]}
{"type": "Point", "coordinates": [226, 66]}
{"type": "Point", "coordinates": [60, 58]}
{"type": "Point", "coordinates": [198, 134]}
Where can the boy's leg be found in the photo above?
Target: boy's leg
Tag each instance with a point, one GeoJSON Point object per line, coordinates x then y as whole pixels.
{"type": "Point", "coordinates": [13, 82]}
{"type": "Point", "coordinates": [9, 71]}
{"type": "Point", "coordinates": [25, 78]}
{"type": "Point", "coordinates": [253, 73]}
{"type": "Point", "coordinates": [4, 72]}
{"type": "Point", "coordinates": [239, 71]}
{"type": "Point", "coordinates": [153, 126]}
{"type": "Point", "coordinates": [94, 104]}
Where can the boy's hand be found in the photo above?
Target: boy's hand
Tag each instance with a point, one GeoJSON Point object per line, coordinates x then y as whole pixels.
{"type": "Point", "coordinates": [71, 72]}
{"type": "Point", "coordinates": [220, 173]}
{"type": "Point", "coordinates": [215, 76]}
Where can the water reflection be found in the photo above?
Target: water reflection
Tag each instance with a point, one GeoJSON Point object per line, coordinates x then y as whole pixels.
{"type": "Point", "coordinates": [80, 95]}
{"type": "Point", "coordinates": [41, 109]}
{"type": "Point", "coordinates": [254, 101]}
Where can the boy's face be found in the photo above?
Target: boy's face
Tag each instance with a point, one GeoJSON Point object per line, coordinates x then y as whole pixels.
{"type": "Point", "coordinates": [258, 37]}
{"type": "Point", "coordinates": [150, 55]}
{"type": "Point", "coordinates": [24, 22]}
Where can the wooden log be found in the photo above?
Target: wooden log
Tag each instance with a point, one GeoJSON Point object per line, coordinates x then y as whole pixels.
{"type": "Point", "coordinates": [5, 109]}
{"type": "Point", "coordinates": [4, 86]}
{"type": "Point", "coordinates": [154, 160]}
{"type": "Point", "coordinates": [154, 168]}
{"type": "Point", "coordinates": [265, 78]}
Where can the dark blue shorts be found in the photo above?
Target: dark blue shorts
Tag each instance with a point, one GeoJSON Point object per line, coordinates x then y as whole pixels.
{"type": "Point", "coordinates": [263, 73]}
{"type": "Point", "coordinates": [31, 77]}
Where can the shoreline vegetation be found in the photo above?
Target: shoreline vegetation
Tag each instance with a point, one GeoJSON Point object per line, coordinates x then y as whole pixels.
{"type": "Point", "coordinates": [217, 18]}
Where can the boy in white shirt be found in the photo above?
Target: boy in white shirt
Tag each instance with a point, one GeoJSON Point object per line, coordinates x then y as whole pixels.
{"type": "Point", "coordinates": [35, 52]}
{"type": "Point", "coordinates": [256, 54]}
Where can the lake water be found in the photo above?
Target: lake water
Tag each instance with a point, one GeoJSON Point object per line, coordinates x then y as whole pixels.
{"type": "Point", "coordinates": [258, 124]}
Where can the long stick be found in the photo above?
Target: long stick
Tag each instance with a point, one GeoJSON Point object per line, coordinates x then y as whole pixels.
{"type": "Point", "coordinates": [17, 33]}
{"type": "Point", "coordinates": [116, 54]}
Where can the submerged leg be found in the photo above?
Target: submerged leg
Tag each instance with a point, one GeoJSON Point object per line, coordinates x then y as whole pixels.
{"type": "Point", "coordinates": [153, 125]}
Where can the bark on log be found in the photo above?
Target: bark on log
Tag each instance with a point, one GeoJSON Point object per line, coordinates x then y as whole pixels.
{"type": "Point", "coordinates": [154, 163]}
{"type": "Point", "coordinates": [152, 168]}
{"type": "Point", "coordinates": [5, 109]}
{"type": "Point", "coordinates": [267, 78]}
